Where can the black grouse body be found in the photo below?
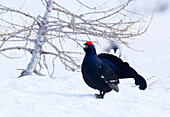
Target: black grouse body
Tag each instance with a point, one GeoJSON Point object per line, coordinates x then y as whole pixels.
{"type": "Point", "coordinates": [103, 71]}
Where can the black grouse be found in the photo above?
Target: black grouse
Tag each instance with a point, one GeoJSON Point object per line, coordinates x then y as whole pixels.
{"type": "Point", "coordinates": [103, 71]}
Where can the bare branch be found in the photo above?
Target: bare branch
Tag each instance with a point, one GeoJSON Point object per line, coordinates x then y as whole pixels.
{"type": "Point", "coordinates": [86, 5]}
{"type": "Point", "coordinates": [50, 34]}
{"type": "Point", "coordinates": [51, 53]}
{"type": "Point", "coordinates": [18, 48]}
{"type": "Point", "coordinates": [36, 53]}
{"type": "Point", "coordinates": [4, 8]}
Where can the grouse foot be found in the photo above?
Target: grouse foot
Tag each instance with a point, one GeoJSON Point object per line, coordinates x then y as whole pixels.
{"type": "Point", "coordinates": [98, 96]}
{"type": "Point", "coordinates": [101, 95]}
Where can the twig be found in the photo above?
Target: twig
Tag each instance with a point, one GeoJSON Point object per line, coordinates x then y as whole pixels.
{"type": "Point", "coordinates": [18, 48]}
{"type": "Point", "coordinates": [18, 11]}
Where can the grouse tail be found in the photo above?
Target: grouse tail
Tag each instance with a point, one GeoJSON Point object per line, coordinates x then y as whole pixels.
{"type": "Point", "coordinates": [129, 72]}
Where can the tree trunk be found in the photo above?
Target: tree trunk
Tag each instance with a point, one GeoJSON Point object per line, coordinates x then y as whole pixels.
{"type": "Point", "coordinates": [31, 67]}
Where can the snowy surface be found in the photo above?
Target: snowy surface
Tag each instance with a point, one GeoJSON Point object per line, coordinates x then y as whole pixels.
{"type": "Point", "coordinates": [68, 96]}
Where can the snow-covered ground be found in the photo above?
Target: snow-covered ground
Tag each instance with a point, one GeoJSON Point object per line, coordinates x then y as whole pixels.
{"type": "Point", "coordinates": [68, 96]}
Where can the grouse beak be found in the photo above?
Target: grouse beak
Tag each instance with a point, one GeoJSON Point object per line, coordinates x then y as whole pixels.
{"type": "Point", "coordinates": [85, 46]}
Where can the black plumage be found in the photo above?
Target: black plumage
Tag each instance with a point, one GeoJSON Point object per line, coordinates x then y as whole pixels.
{"type": "Point", "coordinates": [103, 71]}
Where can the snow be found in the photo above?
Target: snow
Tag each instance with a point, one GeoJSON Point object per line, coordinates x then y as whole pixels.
{"type": "Point", "coordinates": [68, 96]}
{"type": "Point", "coordinates": [41, 96]}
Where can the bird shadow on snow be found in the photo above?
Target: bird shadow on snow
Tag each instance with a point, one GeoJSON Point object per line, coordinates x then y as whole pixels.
{"type": "Point", "coordinates": [76, 95]}
{"type": "Point", "coordinates": [72, 95]}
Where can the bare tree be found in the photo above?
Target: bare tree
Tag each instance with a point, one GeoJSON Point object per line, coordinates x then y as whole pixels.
{"type": "Point", "coordinates": [59, 25]}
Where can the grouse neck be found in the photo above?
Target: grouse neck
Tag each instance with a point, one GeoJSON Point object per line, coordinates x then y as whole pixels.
{"type": "Point", "coordinates": [91, 51]}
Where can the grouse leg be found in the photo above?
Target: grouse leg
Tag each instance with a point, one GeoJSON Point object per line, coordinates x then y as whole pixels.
{"type": "Point", "coordinates": [101, 95]}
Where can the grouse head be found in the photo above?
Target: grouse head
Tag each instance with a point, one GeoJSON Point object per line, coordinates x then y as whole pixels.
{"type": "Point", "coordinates": [89, 48]}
